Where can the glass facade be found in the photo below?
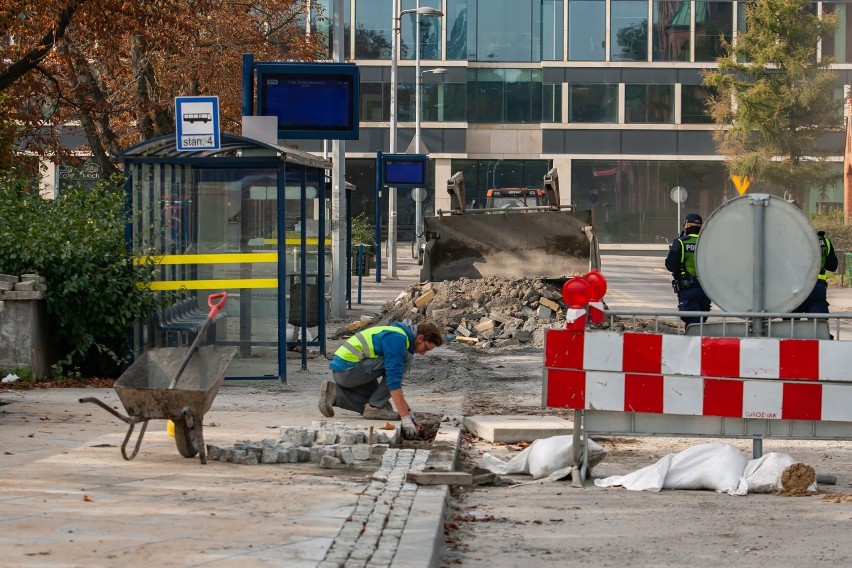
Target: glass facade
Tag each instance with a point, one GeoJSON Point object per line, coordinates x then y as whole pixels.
{"type": "Point", "coordinates": [430, 31]}
{"type": "Point", "coordinates": [649, 103]}
{"type": "Point", "coordinates": [593, 103]}
{"type": "Point", "coordinates": [838, 44]}
{"type": "Point", "coordinates": [373, 26]}
{"type": "Point", "coordinates": [671, 30]}
{"type": "Point", "coordinates": [482, 175]}
{"type": "Point", "coordinates": [629, 30]}
{"type": "Point", "coordinates": [504, 96]}
{"type": "Point", "coordinates": [504, 59]}
{"type": "Point", "coordinates": [631, 198]}
{"type": "Point", "coordinates": [586, 30]}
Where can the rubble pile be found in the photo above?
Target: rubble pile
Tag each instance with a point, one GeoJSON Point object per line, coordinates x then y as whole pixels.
{"type": "Point", "coordinates": [322, 443]}
{"type": "Point", "coordinates": [486, 313]}
{"type": "Point", "coordinates": [492, 312]}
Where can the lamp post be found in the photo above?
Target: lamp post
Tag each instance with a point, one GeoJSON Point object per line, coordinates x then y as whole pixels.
{"type": "Point", "coordinates": [418, 203]}
{"type": "Point", "coordinates": [392, 220]}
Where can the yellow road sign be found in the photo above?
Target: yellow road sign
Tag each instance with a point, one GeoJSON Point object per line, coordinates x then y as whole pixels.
{"type": "Point", "coordinates": [741, 183]}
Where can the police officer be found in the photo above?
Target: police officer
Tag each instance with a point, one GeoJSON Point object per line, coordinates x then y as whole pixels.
{"type": "Point", "coordinates": [817, 300]}
{"type": "Point", "coordinates": [681, 263]}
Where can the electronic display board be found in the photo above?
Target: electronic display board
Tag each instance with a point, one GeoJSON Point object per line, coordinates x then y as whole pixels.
{"type": "Point", "coordinates": [405, 170]}
{"type": "Point", "coordinates": [311, 100]}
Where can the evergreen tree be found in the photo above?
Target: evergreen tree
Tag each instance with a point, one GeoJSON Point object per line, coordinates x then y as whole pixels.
{"type": "Point", "coordinates": [775, 102]}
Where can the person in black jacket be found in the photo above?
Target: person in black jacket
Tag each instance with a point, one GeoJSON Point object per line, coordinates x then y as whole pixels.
{"type": "Point", "coordinates": [817, 300]}
{"type": "Point", "coordinates": [681, 263]}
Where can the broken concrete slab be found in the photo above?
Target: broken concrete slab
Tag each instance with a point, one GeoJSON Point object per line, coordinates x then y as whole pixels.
{"type": "Point", "coordinates": [518, 428]}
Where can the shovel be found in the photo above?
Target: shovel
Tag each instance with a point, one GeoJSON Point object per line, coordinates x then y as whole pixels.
{"type": "Point", "coordinates": [215, 302]}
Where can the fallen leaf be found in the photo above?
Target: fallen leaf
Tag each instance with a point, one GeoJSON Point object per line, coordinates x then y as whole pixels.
{"type": "Point", "coordinates": [87, 498]}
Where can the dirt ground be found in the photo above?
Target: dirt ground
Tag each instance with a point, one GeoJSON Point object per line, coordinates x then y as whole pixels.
{"type": "Point", "coordinates": [498, 525]}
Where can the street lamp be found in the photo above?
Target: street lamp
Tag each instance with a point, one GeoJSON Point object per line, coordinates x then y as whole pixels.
{"type": "Point", "coordinates": [418, 112]}
{"type": "Point", "coordinates": [392, 224]}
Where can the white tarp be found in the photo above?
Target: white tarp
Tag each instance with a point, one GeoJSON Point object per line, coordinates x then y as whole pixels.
{"type": "Point", "coordinates": [716, 466]}
{"type": "Point", "coordinates": [549, 457]}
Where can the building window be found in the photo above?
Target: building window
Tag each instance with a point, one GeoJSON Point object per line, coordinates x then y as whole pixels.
{"type": "Point", "coordinates": [482, 175]}
{"type": "Point", "coordinates": [631, 198]}
{"type": "Point", "coordinates": [671, 30]}
{"type": "Point", "coordinates": [586, 30]}
{"type": "Point", "coordinates": [457, 25]}
{"type": "Point", "coordinates": [593, 103]}
{"type": "Point", "coordinates": [713, 20]}
{"type": "Point", "coordinates": [837, 45]}
{"type": "Point", "coordinates": [373, 23]}
{"type": "Point", "coordinates": [375, 103]}
{"type": "Point", "coordinates": [694, 104]}
{"type": "Point", "coordinates": [325, 24]}
{"type": "Point", "coordinates": [430, 31]}
{"type": "Point", "coordinates": [443, 102]}
{"type": "Point", "coordinates": [629, 30]}
{"type": "Point", "coordinates": [649, 103]}
{"type": "Point", "coordinates": [504, 30]}
{"type": "Point", "coordinates": [551, 30]}
{"type": "Point", "coordinates": [504, 96]}
{"type": "Point", "coordinates": [551, 103]}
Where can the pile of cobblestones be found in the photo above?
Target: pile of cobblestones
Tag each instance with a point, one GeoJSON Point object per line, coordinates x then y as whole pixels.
{"type": "Point", "coordinates": [321, 443]}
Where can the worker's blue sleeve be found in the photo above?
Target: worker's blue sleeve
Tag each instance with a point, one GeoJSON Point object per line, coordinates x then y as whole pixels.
{"type": "Point", "coordinates": [393, 349]}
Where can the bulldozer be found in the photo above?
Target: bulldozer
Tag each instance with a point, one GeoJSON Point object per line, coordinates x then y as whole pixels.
{"type": "Point", "coordinates": [521, 233]}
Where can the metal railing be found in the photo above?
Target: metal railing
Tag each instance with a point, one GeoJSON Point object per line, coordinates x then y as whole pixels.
{"type": "Point", "coordinates": [739, 324]}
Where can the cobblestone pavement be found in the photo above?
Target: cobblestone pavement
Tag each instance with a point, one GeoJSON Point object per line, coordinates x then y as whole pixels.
{"type": "Point", "coordinates": [370, 537]}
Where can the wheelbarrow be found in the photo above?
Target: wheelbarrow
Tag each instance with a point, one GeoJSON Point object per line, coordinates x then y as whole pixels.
{"type": "Point", "coordinates": [148, 389]}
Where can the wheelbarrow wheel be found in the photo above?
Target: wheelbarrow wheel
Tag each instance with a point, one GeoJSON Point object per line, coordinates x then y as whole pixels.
{"type": "Point", "coordinates": [186, 439]}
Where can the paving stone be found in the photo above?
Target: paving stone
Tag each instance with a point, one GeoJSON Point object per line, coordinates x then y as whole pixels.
{"type": "Point", "coordinates": [362, 451]}
{"type": "Point", "coordinates": [344, 454]}
{"type": "Point", "coordinates": [214, 453]}
{"type": "Point", "coordinates": [248, 459]}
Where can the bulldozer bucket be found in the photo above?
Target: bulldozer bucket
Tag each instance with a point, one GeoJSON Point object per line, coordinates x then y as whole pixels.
{"type": "Point", "coordinates": [510, 244]}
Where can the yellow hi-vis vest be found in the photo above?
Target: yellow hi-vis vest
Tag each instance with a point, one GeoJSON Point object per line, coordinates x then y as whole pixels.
{"type": "Point", "coordinates": [360, 345]}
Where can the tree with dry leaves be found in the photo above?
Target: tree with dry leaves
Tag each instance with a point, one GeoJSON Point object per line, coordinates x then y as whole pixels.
{"type": "Point", "coordinates": [114, 67]}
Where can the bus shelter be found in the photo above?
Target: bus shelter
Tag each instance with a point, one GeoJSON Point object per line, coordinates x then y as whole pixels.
{"type": "Point", "coordinates": [249, 219]}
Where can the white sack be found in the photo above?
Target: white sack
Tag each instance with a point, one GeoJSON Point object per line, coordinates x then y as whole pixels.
{"type": "Point", "coordinates": [543, 457]}
{"type": "Point", "coordinates": [763, 475]}
{"type": "Point", "coordinates": [716, 466]}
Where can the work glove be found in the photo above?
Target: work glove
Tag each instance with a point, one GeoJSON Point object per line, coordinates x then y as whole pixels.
{"type": "Point", "coordinates": [409, 427]}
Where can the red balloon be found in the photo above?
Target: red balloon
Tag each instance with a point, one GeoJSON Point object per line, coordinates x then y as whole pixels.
{"type": "Point", "coordinates": [598, 282]}
{"type": "Point", "coordinates": [577, 292]}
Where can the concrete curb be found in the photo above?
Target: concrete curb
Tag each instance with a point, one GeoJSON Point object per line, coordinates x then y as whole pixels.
{"type": "Point", "coordinates": [422, 539]}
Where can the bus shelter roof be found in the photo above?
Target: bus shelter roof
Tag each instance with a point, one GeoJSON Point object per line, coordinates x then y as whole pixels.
{"type": "Point", "coordinates": [231, 145]}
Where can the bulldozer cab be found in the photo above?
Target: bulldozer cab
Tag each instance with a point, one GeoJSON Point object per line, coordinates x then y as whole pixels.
{"type": "Point", "coordinates": [514, 197]}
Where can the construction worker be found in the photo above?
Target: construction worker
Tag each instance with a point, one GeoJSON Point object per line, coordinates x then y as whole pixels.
{"type": "Point", "coordinates": [817, 300]}
{"type": "Point", "coordinates": [368, 370]}
{"type": "Point", "coordinates": [681, 263]}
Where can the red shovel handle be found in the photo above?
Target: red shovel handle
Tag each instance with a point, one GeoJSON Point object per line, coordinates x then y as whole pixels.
{"type": "Point", "coordinates": [216, 302]}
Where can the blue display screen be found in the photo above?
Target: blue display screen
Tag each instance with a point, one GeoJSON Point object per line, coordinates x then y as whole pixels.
{"type": "Point", "coordinates": [310, 100]}
{"type": "Point", "coordinates": [404, 172]}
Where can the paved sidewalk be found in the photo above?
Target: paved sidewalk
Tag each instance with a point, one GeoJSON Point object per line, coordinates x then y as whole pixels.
{"type": "Point", "coordinates": [67, 498]}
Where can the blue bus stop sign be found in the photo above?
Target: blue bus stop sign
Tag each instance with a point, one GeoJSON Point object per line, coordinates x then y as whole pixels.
{"type": "Point", "coordinates": [197, 123]}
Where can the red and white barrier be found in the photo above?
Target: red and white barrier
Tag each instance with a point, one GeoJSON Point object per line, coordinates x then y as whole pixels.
{"type": "Point", "coordinates": [789, 379]}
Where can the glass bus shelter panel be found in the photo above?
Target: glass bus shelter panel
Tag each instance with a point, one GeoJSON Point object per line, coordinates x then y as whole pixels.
{"type": "Point", "coordinates": [237, 229]}
{"type": "Point", "coordinates": [304, 226]}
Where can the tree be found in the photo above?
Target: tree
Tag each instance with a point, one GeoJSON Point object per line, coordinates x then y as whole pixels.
{"type": "Point", "coordinates": [775, 102]}
{"type": "Point", "coordinates": [114, 67]}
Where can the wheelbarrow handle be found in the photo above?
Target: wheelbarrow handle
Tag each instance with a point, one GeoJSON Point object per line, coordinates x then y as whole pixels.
{"type": "Point", "coordinates": [216, 302]}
